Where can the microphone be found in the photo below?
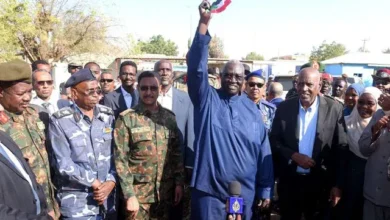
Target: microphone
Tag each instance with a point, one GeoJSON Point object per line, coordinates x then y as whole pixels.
{"type": "Point", "coordinates": [234, 203]}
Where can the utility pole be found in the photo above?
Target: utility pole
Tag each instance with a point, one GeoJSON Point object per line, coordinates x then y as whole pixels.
{"type": "Point", "coordinates": [364, 44]}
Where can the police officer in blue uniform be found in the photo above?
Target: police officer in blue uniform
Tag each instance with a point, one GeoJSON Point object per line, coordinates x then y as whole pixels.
{"type": "Point", "coordinates": [255, 88]}
{"type": "Point", "coordinates": [81, 138]}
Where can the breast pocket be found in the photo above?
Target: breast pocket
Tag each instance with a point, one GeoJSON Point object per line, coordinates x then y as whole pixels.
{"type": "Point", "coordinates": [142, 144]}
{"type": "Point", "coordinates": [221, 118]}
{"type": "Point", "coordinates": [79, 149]}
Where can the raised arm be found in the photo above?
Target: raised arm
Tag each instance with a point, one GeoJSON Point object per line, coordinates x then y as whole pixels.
{"type": "Point", "coordinates": [198, 84]}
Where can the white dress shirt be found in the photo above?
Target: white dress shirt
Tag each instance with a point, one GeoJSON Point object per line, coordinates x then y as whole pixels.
{"type": "Point", "coordinates": [15, 161]}
{"type": "Point", "coordinates": [127, 96]}
{"type": "Point", "coordinates": [50, 105]}
{"type": "Point", "coordinates": [166, 100]}
{"type": "Point", "coordinates": [307, 130]}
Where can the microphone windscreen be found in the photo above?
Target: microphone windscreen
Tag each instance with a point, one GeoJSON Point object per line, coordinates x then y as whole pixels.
{"type": "Point", "coordinates": [235, 188]}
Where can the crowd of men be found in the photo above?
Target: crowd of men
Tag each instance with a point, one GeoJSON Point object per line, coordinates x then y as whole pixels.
{"type": "Point", "coordinates": [143, 149]}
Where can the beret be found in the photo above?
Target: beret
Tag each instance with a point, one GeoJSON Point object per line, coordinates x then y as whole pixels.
{"type": "Point", "coordinates": [327, 77]}
{"type": "Point", "coordinates": [257, 73]}
{"type": "Point", "coordinates": [15, 70]}
{"type": "Point", "coordinates": [382, 73]}
{"type": "Point", "coordinates": [80, 76]}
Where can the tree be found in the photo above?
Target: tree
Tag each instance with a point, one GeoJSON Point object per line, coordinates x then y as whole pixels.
{"type": "Point", "coordinates": [50, 29]}
{"type": "Point", "coordinates": [216, 48]}
{"type": "Point", "coordinates": [254, 56]}
{"type": "Point", "coordinates": [158, 45]}
{"type": "Point", "coordinates": [386, 50]}
{"type": "Point", "coordinates": [327, 51]}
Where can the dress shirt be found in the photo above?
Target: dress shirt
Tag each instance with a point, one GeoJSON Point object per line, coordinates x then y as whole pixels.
{"type": "Point", "coordinates": [307, 130]}
{"type": "Point", "coordinates": [166, 100]}
{"type": "Point", "coordinates": [50, 105]}
{"type": "Point", "coordinates": [127, 96]}
{"type": "Point", "coordinates": [14, 161]}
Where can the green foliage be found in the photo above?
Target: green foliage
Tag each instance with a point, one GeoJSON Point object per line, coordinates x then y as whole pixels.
{"type": "Point", "coordinates": [50, 29]}
{"type": "Point", "coordinates": [216, 48]}
{"type": "Point", "coordinates": [158, 45]}
{"type": "Point", "coordinates": [254, 56]}
{"type": "Point", "coordinates": [327, 51]}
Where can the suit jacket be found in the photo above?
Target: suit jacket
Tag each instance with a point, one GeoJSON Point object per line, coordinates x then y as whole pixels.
{"type": "Point", "coordinates": [116, 101]}
{"type": "Point", "coordinates": [183, 109]}
{"type": "Point", "coordinates": [330, 145]}
{"type": "Point", "coordinates": [17, 200]}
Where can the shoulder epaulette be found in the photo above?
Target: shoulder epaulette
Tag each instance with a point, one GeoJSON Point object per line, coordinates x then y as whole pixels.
{"type": "Point", "coordinates": [126, 112]}
{"type": "Point", "coordinates": [63, 112]}
{"type": "Point", "coordinates": [106, 110]}
{"type": "Point", "coordinates": [169, 111]}
{"type": "Point", "coordinates": [31, 109]}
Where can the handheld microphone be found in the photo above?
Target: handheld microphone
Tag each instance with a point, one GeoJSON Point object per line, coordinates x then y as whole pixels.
{"type": "Point", "coordinates": [234, 203]}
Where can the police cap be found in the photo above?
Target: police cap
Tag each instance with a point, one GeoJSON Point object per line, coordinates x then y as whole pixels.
{"type": "Point", "coordinates": [80, 76]}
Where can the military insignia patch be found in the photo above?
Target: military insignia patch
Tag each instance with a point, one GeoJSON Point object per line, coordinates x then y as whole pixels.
{"type": "Point", "coordinates": [107, 130]}
{"type": "Point", "coordinates": [41, 126]}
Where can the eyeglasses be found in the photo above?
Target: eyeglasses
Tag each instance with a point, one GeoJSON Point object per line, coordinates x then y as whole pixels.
{"type": "Point", "coordinates": [252, 84]}
{"type": "Point", "coordinates": [381, 81]}
{"type": "Point", "coordinates": [76, 67]}
{"type": "Point", "coordinates": [106, 80]}
{"type": "Point", "coordinates": [43, 82]}
{"type": "Point", "coordinates": [151, 88]}
{"type": "Point", "coordinates": [91, 92]}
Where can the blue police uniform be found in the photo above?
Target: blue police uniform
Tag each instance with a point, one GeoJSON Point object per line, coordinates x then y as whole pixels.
{"type": "Point", "coordinates": [82, 151]}
{"type": "Point", "coordinates": [267, 110]}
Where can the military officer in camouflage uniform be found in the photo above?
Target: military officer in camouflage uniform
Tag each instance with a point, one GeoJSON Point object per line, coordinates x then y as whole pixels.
{"type": "Point", "coordinates": [21, 121]}
{"type": "Point", "coordinates": [148, 156]}
{"type": "Point", "coordinates": [81, 136]}
{"type": "Point", "coordinates": [255, 89]}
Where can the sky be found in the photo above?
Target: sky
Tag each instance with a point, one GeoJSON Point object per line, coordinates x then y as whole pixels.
{"type": "Point", "coordinates": [268, 27]}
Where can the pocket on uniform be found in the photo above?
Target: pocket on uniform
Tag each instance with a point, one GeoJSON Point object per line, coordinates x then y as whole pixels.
{"type": "Point", "coordinates": [142, 178]}
{"type": "Point", "coordinates": [142, 136]}
{"type": "Point", "coordinates": [79, 149]}
{"type": "Point", "coordinates": [107, 137]}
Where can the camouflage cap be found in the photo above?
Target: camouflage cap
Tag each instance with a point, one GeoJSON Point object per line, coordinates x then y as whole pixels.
{"type": "Point", "coordinates": [15, 70]}
{"type": "Point", "coordinates": [80, 76]}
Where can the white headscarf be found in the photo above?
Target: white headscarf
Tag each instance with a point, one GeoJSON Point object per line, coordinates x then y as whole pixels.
{"type": "Point", "coordinates": [356, 124]}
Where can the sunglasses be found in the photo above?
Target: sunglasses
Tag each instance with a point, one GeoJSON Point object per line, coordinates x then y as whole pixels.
{"type": "Point", "coordinates": [47, 82]}
{"type": "Point", "coordinates": [379, 81]}
{"type": "Point", "coordinates": [151, 88]}
{"type": "Point", "coordinates": [76, 67]}
{"type": "Point", "coordinates": [106, 80]}
{"type": "Point", "coordinates": [91, 92]}
{"type": "Point", "coordinates": [252, 84]}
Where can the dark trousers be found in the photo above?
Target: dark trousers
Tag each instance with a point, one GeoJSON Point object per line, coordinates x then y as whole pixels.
{"type": "Point", "coordinates": [352, 200]}
{"type": "Point", "coordinates": [302, 195]}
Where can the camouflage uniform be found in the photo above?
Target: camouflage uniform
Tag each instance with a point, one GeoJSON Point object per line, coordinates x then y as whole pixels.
{"type": "Point", "coordinates": [148, 159]}
{"type": "Point", "coordinates": [28, 131]}
{"type": "Point", "coordinates": [82, 150]}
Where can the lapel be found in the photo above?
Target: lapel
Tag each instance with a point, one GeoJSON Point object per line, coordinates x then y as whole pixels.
{"type": "Point", "coordinates": [295, 122]}
{"type": "Point", "coordinates": [322, 115]}
{"type": "Point", "coordinates": [120, 99]}
{"type": "Point", "coordinates": [135, 97]}
{"type": "Point", "coordinates": [16, 151]}
{"type": "Point", "coordinates": [177, 100]}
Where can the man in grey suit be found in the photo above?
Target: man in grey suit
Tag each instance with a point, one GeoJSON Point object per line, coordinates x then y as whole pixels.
{"type": "Point", "coordinates": [179, 103]}
{"type": "Point", "coordinates": [125, 96]}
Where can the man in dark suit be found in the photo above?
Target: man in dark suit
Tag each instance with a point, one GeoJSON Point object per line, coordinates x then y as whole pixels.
{"type": "Point", "coordinates": [308, 138]}
{"type": "Point", "coordinates": [179, 103]}
{"type": "Point", "coordinates": [21, 196]}
{"type": "Point", "coordinates": [126, 96]}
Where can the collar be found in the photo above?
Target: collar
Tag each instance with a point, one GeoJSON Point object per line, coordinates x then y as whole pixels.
{"type": "Point", "coordinates": [78, 114]}
{"type": "Point", "coordinates": [313, 107]}
{"type": "Point", "coordinates": [141, 109]}
{"type": "Point", "coordinates": [168, 94]}
{"type": "Point", "coordinates": [124, 92]}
